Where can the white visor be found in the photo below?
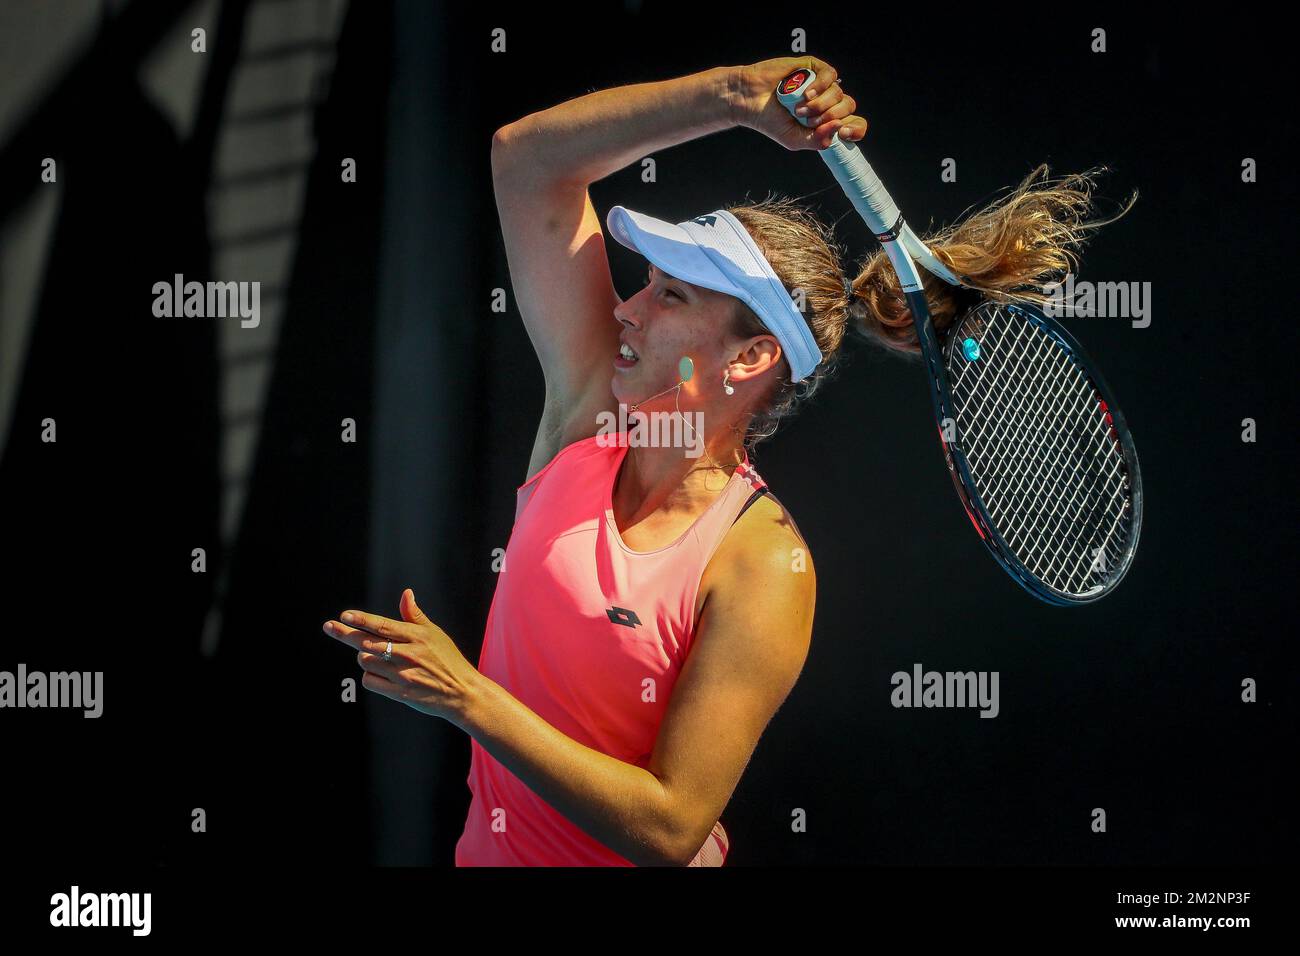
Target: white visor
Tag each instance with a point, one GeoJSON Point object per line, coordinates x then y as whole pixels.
{"type": "Point", "coordinates": [715, 251]}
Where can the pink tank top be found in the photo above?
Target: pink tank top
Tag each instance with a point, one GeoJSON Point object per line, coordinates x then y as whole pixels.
{"type": "Point", "coordinates": [579, 627]}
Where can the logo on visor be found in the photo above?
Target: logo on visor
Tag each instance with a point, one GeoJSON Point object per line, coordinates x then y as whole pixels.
{"type": "Point", "coordinates": [706, 220]}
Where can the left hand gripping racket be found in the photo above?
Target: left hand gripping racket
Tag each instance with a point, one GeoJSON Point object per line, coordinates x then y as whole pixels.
{"type": "Point", "coordinates": [1039, 452]}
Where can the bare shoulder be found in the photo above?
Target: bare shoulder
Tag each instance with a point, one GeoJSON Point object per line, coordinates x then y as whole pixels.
{"type": "Point", "coordinates": [763, 550]}
{"type": "Point", "coordinates": [766, 527]}
{"type": "Point", "coordinates": [753, 637]}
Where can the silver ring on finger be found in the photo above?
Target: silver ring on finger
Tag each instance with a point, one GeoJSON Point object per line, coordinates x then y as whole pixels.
{"type": "Point", "coordinates": [388, 653]}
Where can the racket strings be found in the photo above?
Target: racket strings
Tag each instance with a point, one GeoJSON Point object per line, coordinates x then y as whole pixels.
{"type": "Point", "coordinates": [1043, 457]}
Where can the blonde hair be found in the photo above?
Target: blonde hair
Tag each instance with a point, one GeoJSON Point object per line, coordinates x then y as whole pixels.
{"type": "Point", "coordinates": [1008, 249]}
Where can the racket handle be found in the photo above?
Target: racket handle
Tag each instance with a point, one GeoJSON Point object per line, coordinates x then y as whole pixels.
{"type": "Point", "coordinates": [855, 175]}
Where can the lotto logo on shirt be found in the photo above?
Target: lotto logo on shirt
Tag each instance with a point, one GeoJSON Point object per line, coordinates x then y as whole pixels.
{"type": "Point", "coordinates": [621, 615]}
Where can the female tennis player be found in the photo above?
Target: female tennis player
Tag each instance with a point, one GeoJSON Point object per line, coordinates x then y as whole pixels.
{"type": "Point", "coordinates": [655, 606]}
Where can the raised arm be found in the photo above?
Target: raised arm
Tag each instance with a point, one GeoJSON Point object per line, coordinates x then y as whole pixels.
{"type": "Point", "coordinates": [542, 165]}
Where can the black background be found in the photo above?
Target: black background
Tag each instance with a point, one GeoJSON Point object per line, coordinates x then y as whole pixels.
{"type": "Point", "coordinates": [1132, 705]}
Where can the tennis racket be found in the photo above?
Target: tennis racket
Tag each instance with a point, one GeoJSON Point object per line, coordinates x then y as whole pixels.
{"type": "Point", "coordinates": [1038, 450]}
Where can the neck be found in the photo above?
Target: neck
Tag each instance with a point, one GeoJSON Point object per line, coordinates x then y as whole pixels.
{"type": "Point", "coordinates": [651, 477]}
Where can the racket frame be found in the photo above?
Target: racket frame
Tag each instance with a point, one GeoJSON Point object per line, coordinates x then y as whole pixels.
{"type": "Point", "coordinates": [967, 490]}
{"type": "Point", "coordinates": [905, 250]}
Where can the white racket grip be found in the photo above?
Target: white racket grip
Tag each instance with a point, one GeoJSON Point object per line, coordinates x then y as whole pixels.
{"type": "Point", "coordinates": [855, 175]}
